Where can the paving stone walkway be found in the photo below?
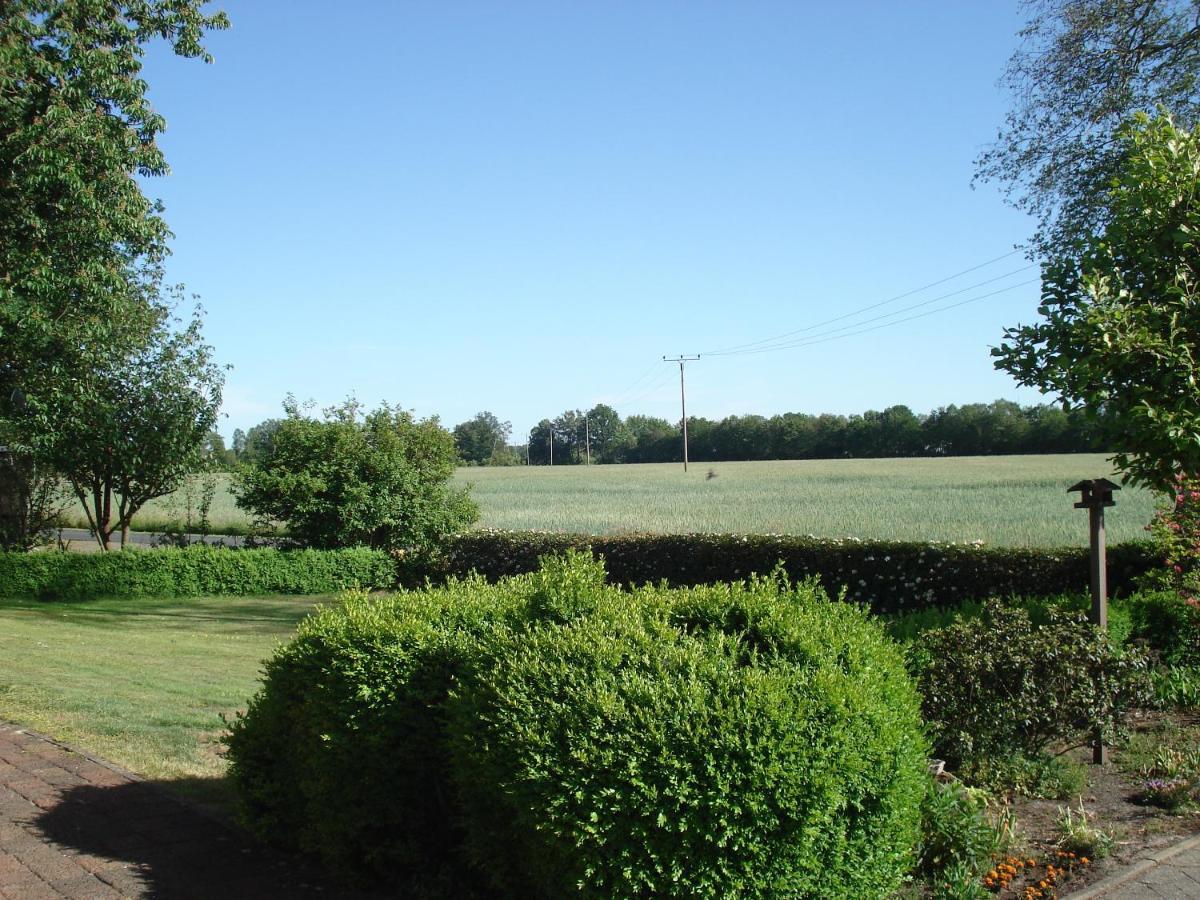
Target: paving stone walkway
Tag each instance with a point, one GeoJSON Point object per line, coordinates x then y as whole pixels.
{"type": "Point", "coordinates": [1169, 873]}
{"type": "Point", "coordinates": [76, 827]}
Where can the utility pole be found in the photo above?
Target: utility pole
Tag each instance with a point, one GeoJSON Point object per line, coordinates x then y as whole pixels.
{"type": "Point", "coordinates": [587, 438]}
{"type": "Point", "coordinates": [551, 445]}
{"type": "Point", "coordinates": [682, 399]}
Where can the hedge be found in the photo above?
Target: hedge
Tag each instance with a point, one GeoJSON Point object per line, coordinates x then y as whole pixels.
{"type": "Point", "coordinates": [195, 571]}
{"type": "Point", "coordinates": [889, 576]}
{"type": "Point", "coordinates": [553, 735]}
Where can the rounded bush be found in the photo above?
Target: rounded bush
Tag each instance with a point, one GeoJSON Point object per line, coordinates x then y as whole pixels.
{"type": "Point", "coordinates": [747, 740]}
{"type": "Point", "coordinates": [342, 754]}
{"type": "Point", "coordinates": [552, 735]}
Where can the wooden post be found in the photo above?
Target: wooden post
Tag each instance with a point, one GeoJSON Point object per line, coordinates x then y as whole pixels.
{"type": "Point", "coordinates": [1095, 495]}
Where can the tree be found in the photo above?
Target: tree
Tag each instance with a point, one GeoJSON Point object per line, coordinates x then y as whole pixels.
{"type": "Point", "coordinates": [256, 445]}
{"type": "Point", "coordinates": [1083, 68]}
{"type": "Point", "coordinates": [1120, 329]}
{"type": "Point", "coordinates": [380, 480]}
{"type": "Point", "coordinates": [610, 439]}
{"type": "Point", "coordinates": [135, 425]}
{"type": "Point", "coordinates": [32, 498]}
{"type": "Point", "coordinates": [81, 248]}
{"type": "Point", "coordinates": [482, 438]}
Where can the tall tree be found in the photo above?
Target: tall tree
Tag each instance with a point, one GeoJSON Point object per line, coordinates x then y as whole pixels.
{"type": "Point", "coordinates": [1120, 329]}
{"type": "Point", "coordinates": [481, 438]}
{"type": "Point", "coordinates": [1083, 68]}
{"type": "Point", "coordinates": [81, 247]}
{"type": "Point", "coordinates": [610, 439]}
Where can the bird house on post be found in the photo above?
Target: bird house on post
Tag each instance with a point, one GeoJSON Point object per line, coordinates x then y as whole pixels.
{"type": "Point", "coordinates": [1096, 494]}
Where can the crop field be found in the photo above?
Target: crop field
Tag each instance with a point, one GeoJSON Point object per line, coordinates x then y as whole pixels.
{"type": "Point", "coordinates": [1000, 500]}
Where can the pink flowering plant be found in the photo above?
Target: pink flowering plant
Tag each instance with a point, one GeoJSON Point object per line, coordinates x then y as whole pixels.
{"type": "Point", "coordinates": [1175, 531]}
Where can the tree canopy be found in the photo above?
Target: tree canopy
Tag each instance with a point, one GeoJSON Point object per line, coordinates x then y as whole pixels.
{"type": "Point", "coordinates": [1120, 329]}
{"type": "Point", "coordinates": [1083, 68]}
{"type": "Point", "coordinates": [482, 439]}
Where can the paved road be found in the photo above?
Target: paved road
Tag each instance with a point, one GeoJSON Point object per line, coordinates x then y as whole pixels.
{"type": "Point", "coordinates": [81, 538]}
{"type": "Point", "coordinates": [72, 826]}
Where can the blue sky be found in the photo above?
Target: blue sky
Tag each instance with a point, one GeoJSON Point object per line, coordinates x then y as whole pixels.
{"type": "Point", "coordinates": [521, 207]}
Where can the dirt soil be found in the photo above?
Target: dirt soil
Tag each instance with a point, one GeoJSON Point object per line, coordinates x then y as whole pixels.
{"type": "Point", "coordinates": [1110, 800]}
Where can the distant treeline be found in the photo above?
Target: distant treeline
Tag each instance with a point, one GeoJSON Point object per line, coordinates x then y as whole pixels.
{"type": "Point", "coordinates": [974, 429]}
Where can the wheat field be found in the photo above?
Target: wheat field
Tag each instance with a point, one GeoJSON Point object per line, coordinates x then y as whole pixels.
{"type": "Point", "coordinates": [1000, 500]}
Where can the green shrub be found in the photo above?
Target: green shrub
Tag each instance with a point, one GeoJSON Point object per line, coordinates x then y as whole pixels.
{"type": "Point", "coordinates": [382, 480]}
{"type": "Point", "coordinates": [890, 576]}
{"type": "Point", "coordinates": [195, 571]}
{"type": "Point", "coordinates": [342, 752]}
{"type": "Point", "coordinates": [1168, 624]}
{"type": "Point", "coordinates": [960, 837]}
{"type": "Point", "coordinates": [1002, 686]}
{"type": "Point", "coordinates": [744, 740]}
{"type": "Point", "coordinates": [1045, 776]}
{"type": "Point", "coordinates": [553, 735]}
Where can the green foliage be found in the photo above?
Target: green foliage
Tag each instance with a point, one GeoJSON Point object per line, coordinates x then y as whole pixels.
{"type": "Point", "coordinates": [342, 752]}
{"type": "Point", "coordinates": [482, 440]}
{"type": "Point", "coordinates": [1176, 686]}
{"type": "Point", "coordinates": [560, 736]}
{"type": "Point", "coordinates": [135, 424]}
{"type": "Point", "coordinates": [81, 247]}
{"type": "Point", "coordinates": [1078, 834]}
{"type": "Point", "coordinates": [1002, 686]}
{"type": "Point", "coordinates": [1043, 776]}
{"type": "Point", "coordinates": [961, 833]}
{"type": "Point", "coordinates": [1168, 624]}
{"type": "Point", "coordinates": [382, 481]}
{"type": "Point", "coordinates": [32, 497]}
{"type": "Point", "coordinates": [1081, 69]}
{"type": "Point", "coordinates": [1175, 531]}
{"type": "Point", "coordinates": [889, 576]}
{"type": "Point", "coordinates": [1121, 315]}
{"type": "Point", "coordinates": [197, 571]}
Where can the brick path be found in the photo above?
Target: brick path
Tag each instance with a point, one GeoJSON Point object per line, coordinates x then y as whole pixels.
{"type": "Point", "coordinates": [72, 826]}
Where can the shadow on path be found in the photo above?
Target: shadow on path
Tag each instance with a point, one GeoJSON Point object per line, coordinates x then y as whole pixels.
{"type": "Point", "coordinates": [72, 826]}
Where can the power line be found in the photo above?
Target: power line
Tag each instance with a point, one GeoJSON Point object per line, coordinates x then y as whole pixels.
{"type": "Point", "coordinates": [888, 315]}
{"type": "Point", "coordinates": [868, 308]}
{"type": "Point", "coordinates": [818, 339]}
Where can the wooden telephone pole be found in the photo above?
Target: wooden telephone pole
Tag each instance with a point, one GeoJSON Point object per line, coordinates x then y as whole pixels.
{"type": "Point", "coordinates": [682, 399]}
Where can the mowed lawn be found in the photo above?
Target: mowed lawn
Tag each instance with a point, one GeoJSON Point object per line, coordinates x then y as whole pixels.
{"type": "Point", "coordinates": [1001, 500]}
{"type": "Point", "coordinates": [141, 682]}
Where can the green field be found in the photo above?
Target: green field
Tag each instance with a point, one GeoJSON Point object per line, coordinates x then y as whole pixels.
{"type": "Point", "coordinates": [1001, 500]}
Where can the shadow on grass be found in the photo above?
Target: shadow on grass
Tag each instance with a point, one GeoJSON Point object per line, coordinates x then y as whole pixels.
{"type": "Point", "coordinates": [146, 842]}
{"type": "Point", "coordinates": [260, 615]}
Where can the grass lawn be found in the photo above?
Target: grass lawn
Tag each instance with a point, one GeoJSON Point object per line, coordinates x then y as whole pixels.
{"type": "Point", "coordinates": [143, 682]}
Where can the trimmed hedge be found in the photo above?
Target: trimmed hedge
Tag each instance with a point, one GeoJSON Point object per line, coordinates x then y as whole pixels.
{"type": "Point", "coordinates": [552, 735]}
{"type": "Point", "coordinates": [889, 576]}
{"type": "Point", "coordinates": [195, 571]}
